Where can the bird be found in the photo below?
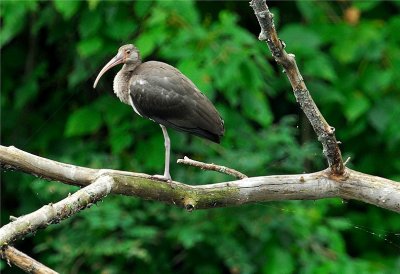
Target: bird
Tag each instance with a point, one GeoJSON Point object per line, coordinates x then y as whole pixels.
{"type": "Point", "coordinates": [161, 93]}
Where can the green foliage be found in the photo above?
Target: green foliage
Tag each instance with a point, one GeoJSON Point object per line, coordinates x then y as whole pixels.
{"type": "Point", "coordinates": [83, 121]}
{"type": "Point", "coordinates": [51, 54]}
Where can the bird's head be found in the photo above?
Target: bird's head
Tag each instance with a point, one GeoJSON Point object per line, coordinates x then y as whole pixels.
{"type": "Point", "coordinates": [127, 54]}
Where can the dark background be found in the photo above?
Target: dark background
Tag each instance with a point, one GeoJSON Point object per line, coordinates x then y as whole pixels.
{"type": "Point", "coordinates": [349, 55]}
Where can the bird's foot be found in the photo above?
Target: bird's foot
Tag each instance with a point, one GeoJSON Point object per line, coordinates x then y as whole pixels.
{"type": "Point", "coordinates": [162, 178]}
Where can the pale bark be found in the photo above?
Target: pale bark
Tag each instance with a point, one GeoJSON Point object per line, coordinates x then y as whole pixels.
{"type": "Point", "coordinates": [214, 167]}
{"type": "Point", "coordinates": [54, 213]}
{"type": "Point", "coordinates": [353, 185]}
{"type": "Point", "coordinates": [23, 261]}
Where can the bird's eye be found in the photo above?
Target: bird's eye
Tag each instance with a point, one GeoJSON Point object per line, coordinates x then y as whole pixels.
{"type": "Point", "coordinates": [128, 51]}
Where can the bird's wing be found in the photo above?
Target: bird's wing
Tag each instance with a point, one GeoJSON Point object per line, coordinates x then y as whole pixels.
{"type": "Point", "coordinates": [161, 93]}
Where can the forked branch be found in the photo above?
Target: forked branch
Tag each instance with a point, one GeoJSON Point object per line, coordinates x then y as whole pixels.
{"type": "Point", "coordinates": [99, 182]}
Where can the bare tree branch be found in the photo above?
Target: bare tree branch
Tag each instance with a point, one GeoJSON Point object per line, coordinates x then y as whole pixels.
{"type": "Point", "coordinates": [214, 167]}
{"type": "Point", "coordinates": [325, 133]}
{"type": "Point", "coordinates": [54, 213]}
{"type": "Point", "coordinates": [23, 261]}
{"type": "Point", "coordinates": [370, 189]}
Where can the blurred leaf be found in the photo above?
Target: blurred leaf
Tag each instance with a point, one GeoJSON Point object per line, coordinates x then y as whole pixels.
{"type": "Point", "coordinates": [278, 261]}
{"type": "Point", "coordinates": [380, 114]}
{"type": "Point", "coordinates": [93, 4]}
{"type": "Point", "coordinates": [340, 223]}
{"type": "Point", "coordinates": [66, 8]}
{"type": "Point", "coordinates": [321, 67]}
{"type": "Point", "coordinates": [90, 46]}
{"type": "Point", "coordinates": [13, 15]}
{"type": "Point", "coordinates": [195, 73]}
{"type": "Point", "coordinates": [188, 237]}
{"type": "Point", "coordinates": [256, 107]}
{"type": "Point", "coordinates": [90, 23]}
{"type": "Point", "coordinates": [299, 38]}
{"type": "Point", "coordinates": [26, 92]}
{"type": "Point", "coordinates": [121, 137]}
{"type": "Point", "coordinates": [152, 153]}
{"type": "Point", "coordinates": [83, 121]}
{"type": "Point", "coordinates": [142, 7]}
{"type": "Point", "coordinates": [120, 30]}
{"type": "Point", "coordinates": [315, 14]}
{"type": "Point", "coordinates": [146, 43]}
{"type": "Point", "coordinates": [374, 80]}
{"type": "Point", "coordinates": [79, 73]}
{"type": "Point", "coordinates": [362, 42]}
{"type": "Point", "coordinates": [366, 5]}
{"type": "Point", "coordinates": [356, 106]}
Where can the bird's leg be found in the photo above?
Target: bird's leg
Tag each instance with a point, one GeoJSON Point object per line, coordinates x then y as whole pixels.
{"type": "Point", "coordinates": [167, 144]}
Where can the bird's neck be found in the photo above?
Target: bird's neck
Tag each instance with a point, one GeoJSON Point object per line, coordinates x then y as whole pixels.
{"type": "Point", "coordinates": [121, 82]}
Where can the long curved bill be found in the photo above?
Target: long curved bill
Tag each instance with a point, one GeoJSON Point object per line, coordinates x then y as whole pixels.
{"type": "Point", "coordinates": [113, 62]}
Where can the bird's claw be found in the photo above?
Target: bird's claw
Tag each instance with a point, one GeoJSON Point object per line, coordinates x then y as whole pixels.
{"type": "Point", "coordinates": [162, 178]}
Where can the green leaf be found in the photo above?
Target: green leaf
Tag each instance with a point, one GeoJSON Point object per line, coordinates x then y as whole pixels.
{"type": "Point", "coordinates": [320, 66]}
{"type": "Point", "coordinates": [89, 24]}
{"type": "Point", "coordinates": [83, 121]}
{"type": "Point", "coordinates": [300, 38]}
{"type": "Point", "coordinates": [152, 152]}
{"type": "Point", "coordinates": [279, 261]}
{"type": "Point", "coordinates": [379, 116]}
{"type": "Point", "coordinates": [339, 223]}
{"type": "Point", "coordinates": [366, 5]}
{"type": "Point", "coordinates": [146, 43]}
{"type": "Point", "coordinates": [93, 4]}
{"type": "Point", "coordinates": [312, 12]}
{"type": "Point", "coordinates": [114, 111]}
{"type": "Point", "coordinates": [144, 232]}
{"type": "Point", "coordinates": [356, 106]}
{"type": "Point", "coordinates": [142, 7]}
{"type": "Point", "coordinates": [121, 136]}
{"type": "Point", "coordinates": [121, 30]}
{"type": "Point", "coordinates": [66, 8]}
{"type": "Point", "coordinates": [78, 74]}
{"type": "Point", "coordinates": [89, 46]}
{"type": "Point", "coordinates": [256, 107]}
{"type": "Point", "coordinates": [26, 92]}
{"type": "Point", "coordinates": [13, 15]}
{"type": "Point", "coordinates": [197, 75]}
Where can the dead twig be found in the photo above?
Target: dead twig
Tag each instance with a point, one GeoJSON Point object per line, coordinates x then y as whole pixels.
{"type": "Point", "coordinates": [222, 169]}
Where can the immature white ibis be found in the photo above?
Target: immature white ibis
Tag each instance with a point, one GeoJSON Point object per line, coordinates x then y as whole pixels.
{"type": "Point", "coordinates": [161, 93]}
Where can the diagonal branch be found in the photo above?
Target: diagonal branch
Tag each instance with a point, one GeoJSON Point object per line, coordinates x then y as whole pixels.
{"type": "Point", "coordinates": [23, 261]}
{"type": "Point", "coordinates": [54, 213]}
{"type": "Point", "coordinates": [214, 167]}
{"type": "Point", "coordinates": [325, 133]}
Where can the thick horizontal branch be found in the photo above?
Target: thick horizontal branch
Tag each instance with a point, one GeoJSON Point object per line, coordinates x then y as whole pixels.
{"type": "Point", "coordinates": [23, 261]}
{"type": "Point", "coordinates": [325, 133]}
{"type": "Point", "coordinates": [355, 185]}
{"type": "Point", "coordinates": [370, 189]}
